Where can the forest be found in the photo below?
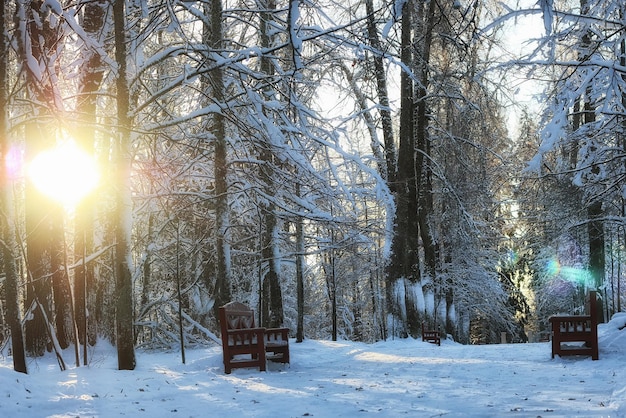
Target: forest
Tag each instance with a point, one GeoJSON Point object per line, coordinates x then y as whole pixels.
{"type": "Point", "coordinates": [345, 168]}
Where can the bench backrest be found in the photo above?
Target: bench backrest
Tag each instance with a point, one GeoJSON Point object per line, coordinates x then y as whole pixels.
{"type": "Point", "coordinates": [236, 315]}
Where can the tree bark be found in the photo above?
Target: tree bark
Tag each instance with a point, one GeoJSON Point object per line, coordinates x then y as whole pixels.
{"type": "Point", "coordinates": [124, 303]}
{"type": "Point", "coordinates": [13, 315]}
{"type": "Point", "coordinates": [213, 38]}
{"type": "Point", "coordinates": [390, 171]}
{"type": "Point", "coordinates": [37, 39]}
{"type": "Point", "coordinates": [403, 274]}
{"type": "Point", "coordinates": [595, 225]}
{"type": "Point", "coordinates": [271, 296]}
{"type": "Point", "coordinates": [91, 74]}
{"type": "Point", "coordinates": [299, 274]}
{"type": "Point", "coordinates": [423, 164]}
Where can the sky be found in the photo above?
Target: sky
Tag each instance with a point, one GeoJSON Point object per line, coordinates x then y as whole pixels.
{"type": "Point", "coordinates": [393, 378]}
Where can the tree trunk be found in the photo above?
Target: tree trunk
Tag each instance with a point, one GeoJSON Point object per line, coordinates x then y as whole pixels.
{"type": "Point", "coordinates": [124, 303]}
{"type": "Point", "coordinates": [423, 164]}
{"type": "Point", "coordinates": [36, 41]}
{"type": "Point", "coordinates": [61, 288]}
{"type": "Point", "coordinates": [331, 285]}
{"type": "Point", "coordinates": [595, 228]}
{"type": "Point", "coordinates": [299, 274]}
{"type": "Point", "coordinates": [390, 171]}
{"type": "Point", "coordinates": [403, 274]}
{"type": "Point", "coordinates": [595, 225]}
{"type": "Point", "coordinates": [91, 73]}
{"type": "Point", "coordinates": [11, 280]}
{"type": "Point", "coordinates": [271, 296]}
{"type": "Point", "coordinates": [38, 282]}
{"type": "Point", "coordinates": [213, 38]}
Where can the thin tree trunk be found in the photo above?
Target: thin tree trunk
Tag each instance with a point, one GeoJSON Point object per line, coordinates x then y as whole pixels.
{"type": "Point", "coordinates": [299, 274]}
{"type": "Point", "coordinates": [91, 74]}
{"type": "Point", "coordinates": [332, 284]}
{"type": "Point", "coordinates": [390, 171]}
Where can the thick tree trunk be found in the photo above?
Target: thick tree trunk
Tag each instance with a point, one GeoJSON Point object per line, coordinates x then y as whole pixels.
{"type": "Point", "coordinates": [403, 274]}
{"type": "Point", "coordinates": [595, 225]}
{"type": "Point", "coordinates": [36, 41]}
{"type": "Point", "coordinates": [11, 280]}
{"type": "Point", "coordinates": [213, 38]}
{"type": "Point", "coordinates": [423, 163]}
{"type": "Point", "coordinates": [61, 288]}
{"type": "Point", "coordinates": [271, 296]}
{"type": "Point", "coordinates": [124, 304]}
{"type": "Point", "coordinates": [38, 287]}
{"type": "Point", "coordinates": [13, 316]}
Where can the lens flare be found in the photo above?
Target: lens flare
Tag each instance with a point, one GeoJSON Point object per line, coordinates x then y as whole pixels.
{"type": "Point", "coordinates": [65, 173]}
{"type": "Point", "coordinates": [553, 268]}
{"type": "Point", "coordinates": [575, 275]}
{"type": "Point", "coordinates": [13, 162]}
{"type": "Point", "coordinates": [571, 274]}
{"type": "Point", "coordinates": [512, 256]}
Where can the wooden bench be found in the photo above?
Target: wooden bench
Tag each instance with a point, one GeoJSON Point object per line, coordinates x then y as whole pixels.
{"type": "Point", "coordinates": [432, 336]}
{"type": "Point", "coordinates": [245, 345]}
{"type": "Point", "coordinates": [576, 334]}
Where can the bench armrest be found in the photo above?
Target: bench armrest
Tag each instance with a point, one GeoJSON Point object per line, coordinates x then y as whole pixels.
{"type": "Point", "coordinates": [277, 334]}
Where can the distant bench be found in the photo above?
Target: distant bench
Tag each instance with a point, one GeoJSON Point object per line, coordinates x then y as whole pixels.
{"type": "Point", "coordinates": [582, 330]}
{"type": "Point", "coordinates": [432, 336]}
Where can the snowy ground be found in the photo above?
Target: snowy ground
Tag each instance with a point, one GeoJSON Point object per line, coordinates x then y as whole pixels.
{"type": "Point", "coordinates": [333, 379]}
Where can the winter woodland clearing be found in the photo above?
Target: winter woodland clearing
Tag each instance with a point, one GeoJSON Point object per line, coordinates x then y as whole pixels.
{"type": "Point", "coordinates": [342, 167]}
{"type": "Point", "coordinates": [392, 378]}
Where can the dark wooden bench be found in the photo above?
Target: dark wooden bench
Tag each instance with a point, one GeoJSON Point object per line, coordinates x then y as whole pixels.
{"type": "Point", "coordinates": [576, 334]}
{"type": "Point", "coordinates": [432, 336]}
{"type": "Point", "coordinates": [244, 344]}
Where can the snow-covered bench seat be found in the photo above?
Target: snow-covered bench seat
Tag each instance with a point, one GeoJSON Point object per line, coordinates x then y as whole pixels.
{"type": "Point", "coordinates": [577, 334]}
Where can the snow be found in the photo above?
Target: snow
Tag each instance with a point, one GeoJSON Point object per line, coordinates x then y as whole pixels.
{"type": "Point", "coordinates": [338, 379]}
{"type": "Point", "coordinates": [398, 5]}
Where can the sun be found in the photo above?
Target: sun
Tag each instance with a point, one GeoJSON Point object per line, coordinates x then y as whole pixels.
{"type": "Point", "coordinates": [65, 173]}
